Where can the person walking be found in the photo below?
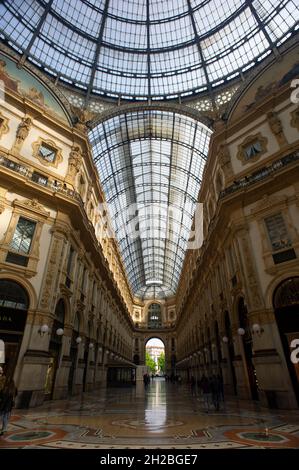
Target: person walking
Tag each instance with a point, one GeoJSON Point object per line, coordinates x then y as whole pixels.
{"type": "Point", "coordinates": [7, 403]}
{"type": "Point", "coordinates": [220, 387]}
{"type": "Point", "coordinates": [206, 391]}
{"type": "Point", "coordinates": [215, 391]}
{"type": "Point", "coordinates": [2, 380]}
{"type": "Point", "coordinates": [192, 383]}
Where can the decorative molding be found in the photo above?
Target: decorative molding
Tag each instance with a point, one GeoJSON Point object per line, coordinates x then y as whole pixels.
{"type": "Point", "coordinates": [31, 205]}
{"type": "Point", "coordinates": [268, 202]}
{"type": "Point", "coordinates": [4, 128]}
{"type": "Point", "coordinates": [277, 128]}
{"type": "Point", "coordinates": [35, 152]}
{"type": "Point", "coordinates": [22, 133]}
{"type": "Point", "coordinates": [42, 77]}
{"type": "Point", "coordinates": [51, 272]}
{"type": "Point", "coordinates": [295, 119]}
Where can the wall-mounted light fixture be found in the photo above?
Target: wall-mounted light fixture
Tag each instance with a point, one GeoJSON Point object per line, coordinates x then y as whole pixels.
{"type": "Point", "coordinates": [78, 340]}
{"type": "Point", "coordinates": [43, 330]}
{"type": "Point", "coordinates": [257, 329]}
{"type": "Point", "coordinates": [225, 339]}
{"type": "Point", "coordinates": [60, 331]}
{"type": "Point", "coordinates": [241, 331]}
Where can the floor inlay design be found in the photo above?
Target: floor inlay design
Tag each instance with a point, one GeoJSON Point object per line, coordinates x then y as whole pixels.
{"type": "Point", "coordinates": [162, 416]}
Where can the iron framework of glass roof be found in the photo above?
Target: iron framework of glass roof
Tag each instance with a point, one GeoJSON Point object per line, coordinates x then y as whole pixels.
{"type": "Point", "coordinates": [147, 49]}
{"type": "Point", "coordinates": [150, 165]}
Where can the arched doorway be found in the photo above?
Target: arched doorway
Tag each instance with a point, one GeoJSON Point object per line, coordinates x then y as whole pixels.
{"type": "Point", "coordinates": [74, 353]}
{"type": "Point", "coordinates": [286, 307]}
{"type": "Point", "coordinates": [154, 316]}
{"type": "Point", "coordinates": [231, 350]}
{"type": "Point", "coordinates": [218, 347]}
{"type": "Point", "coordinates": [155, 357]}
{"type": "Point", "coordinates": [55, 349]}
{"type": "Point", "coordinates": [247, 347]}
{"type": "Point", "coordinates": [87, 348]}
{"type": "Point", "coordinates": [14, 304]}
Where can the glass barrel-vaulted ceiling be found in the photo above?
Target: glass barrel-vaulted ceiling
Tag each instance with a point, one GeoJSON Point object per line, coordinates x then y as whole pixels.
{"type": "Point", "coordinates": [141, 49]}
{"type": "Point", "coordinates": [150, 165]}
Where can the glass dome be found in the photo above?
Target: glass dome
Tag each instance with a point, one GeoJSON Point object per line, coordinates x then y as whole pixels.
{"type": "Point", "coordinates": [147, 49]}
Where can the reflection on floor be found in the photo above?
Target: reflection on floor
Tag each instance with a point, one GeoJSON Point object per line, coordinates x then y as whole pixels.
{"type": "Point", "coordinates": [163, 415]}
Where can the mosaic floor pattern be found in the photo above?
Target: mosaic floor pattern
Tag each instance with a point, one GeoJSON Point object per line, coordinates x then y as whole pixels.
{"type": "Point", "coordinates": [162, 416]}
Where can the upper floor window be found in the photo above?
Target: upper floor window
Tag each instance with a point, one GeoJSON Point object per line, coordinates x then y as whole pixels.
{"type": "Point", "coordinates": [47, 153]}
{"type": "Point", "coordinates": [23, 236]}
{"type": "Point", "coordinates": [70, 260]}
{"type": "Point", "coordinates": [154, 316]}
{"type": "Point", "coordinates": [277, 232]}
{"type": "Point", "coordinates": [252, 150]}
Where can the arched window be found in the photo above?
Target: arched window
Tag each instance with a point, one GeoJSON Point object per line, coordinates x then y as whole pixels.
{"type": "Point", "coordinates": [77, 322]}
{"type": "Point", "coordinates": [287, 293]}
{"type": "Point", "coordinates": [60, 311]}
{"type": "Point", "coordinates": [154, 316]}
{"type": "Point", "coordinates": [12, 295]}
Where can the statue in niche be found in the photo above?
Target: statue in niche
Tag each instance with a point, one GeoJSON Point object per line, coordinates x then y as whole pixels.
{"type": "Point", "coordinates": [276, 127]}
{"type": "Point", "coordinates": [22, 133]}
{"type": "Point", "coordinates": [224, 160]}
{"type": "Point", "coordinates": [74, 163]}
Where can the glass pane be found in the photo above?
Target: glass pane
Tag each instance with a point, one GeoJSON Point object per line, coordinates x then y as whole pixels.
{"type": "Point", "coordinates": [23, 235]}
{"type": "Point", "coordinates": [47, 153]}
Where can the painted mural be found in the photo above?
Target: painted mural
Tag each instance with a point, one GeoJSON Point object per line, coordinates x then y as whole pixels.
{"type": "Point", "coordinates": [22, 82]}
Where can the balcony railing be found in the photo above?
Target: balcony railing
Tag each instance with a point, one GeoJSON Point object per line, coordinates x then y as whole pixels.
{"type": "Point", "coordinates": [53, 185]}
{"type": "Point", "coordinates": [260, 174]}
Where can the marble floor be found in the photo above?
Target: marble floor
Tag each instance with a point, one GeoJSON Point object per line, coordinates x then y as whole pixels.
{"type": "Point", "coordinates": [162, 416]}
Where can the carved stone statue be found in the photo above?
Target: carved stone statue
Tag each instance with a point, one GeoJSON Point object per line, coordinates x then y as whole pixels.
{"type": "Point", "coordinates": [276, 127]}
{"type": "Point", "coordinates": [83, 116]}
{"type": "Point", "coordinates": [22, 132]}
{"type": "Point", "coordinates": [224, 160]}
{"type": "Point", "coordinates": [74, 164]}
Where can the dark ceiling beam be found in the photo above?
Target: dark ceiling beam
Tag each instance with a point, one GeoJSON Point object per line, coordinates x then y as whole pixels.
{"type": "Point", "coordinates": [148, 51]}
{"type": "Point", "coordinates": [262, 27]}
{"type": "Point", "coordinates": [97, 51]}
{"type": "Point", "coordinates": [36, 32]}
{"type": "Point", "coordinates": [169, 184]}
{"type": "Point", "coordinates": [138, 241]}
{"type": "Point", "coordinates": [202, 59]}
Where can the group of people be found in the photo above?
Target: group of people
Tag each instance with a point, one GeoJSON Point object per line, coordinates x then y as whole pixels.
{"type": "Point", "coordinates": [8, 393]}
{"type": "Point", "coordinates": [211, 388]}
{"type": "Point", "coordinates": [173, 378]}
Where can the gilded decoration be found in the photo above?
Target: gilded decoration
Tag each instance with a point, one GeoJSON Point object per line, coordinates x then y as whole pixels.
{"type": "Point", "coordinates": [295, 119]}
{"type": "Point", "coordinates": [74, 164]}
{"type": "Point", "coordinates": [3, 125]}
{"type": "Point", "coordinates": [22, 133]}
{"type": "Point", "coordinates": [18, 80]}
{"type": "Point", "coordinates": [252, 148]}
{"type": "Point", "coordinates": [50, 273]}
{"type": "Point", "coordinates": [32, 205]}
{"type": "Point", "coordinates": [50, 145]}
{"type": "Point", "coordinates": [277, 129]}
